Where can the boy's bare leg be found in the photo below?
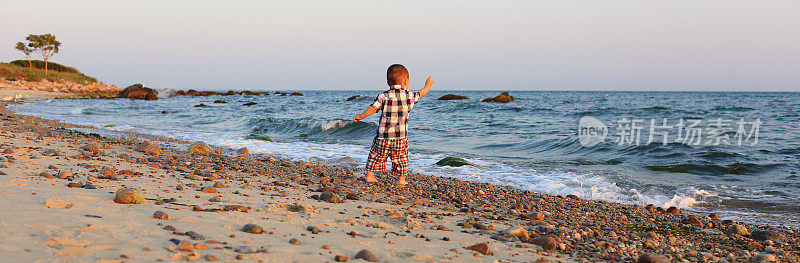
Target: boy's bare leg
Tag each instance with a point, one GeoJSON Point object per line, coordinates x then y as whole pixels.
{"type": "Point", "coordinates": [370, 177]}
{"type": "Point", "coordinates": [401, 181]}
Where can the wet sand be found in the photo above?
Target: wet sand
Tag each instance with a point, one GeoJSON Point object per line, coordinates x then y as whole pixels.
{"type": "Point", "coordinates": [60, 182]}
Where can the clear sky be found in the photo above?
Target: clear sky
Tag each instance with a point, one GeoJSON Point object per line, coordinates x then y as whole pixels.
{"type": "Point", "coordinates": [499, 45]}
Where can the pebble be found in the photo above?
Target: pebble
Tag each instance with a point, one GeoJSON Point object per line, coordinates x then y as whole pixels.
{"type": "Point", "coordinates": [294, 241]}
{"type": "Point", "coordinates": [366, 255]}
{"type": "Point", "coordinates": [210, 190]}
{"type": "Point", "coordinates": [340, 258]}
{"type": "Point", "coordinates": [253, 229]}
{"type": "Point", "coordinates": [46, 175]}
{"type": "Point", "coordinates": [160, 215]}
{"type": "Point", "coordinates": [211, 258]}
{"type": "Point", "coordinates": [215, 199]}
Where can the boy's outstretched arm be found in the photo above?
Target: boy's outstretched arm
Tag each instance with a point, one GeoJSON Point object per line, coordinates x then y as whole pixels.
{"type": "Point", "coordinates": [369, 111]}
{"type": "Point", "coordinates": [424, 90]}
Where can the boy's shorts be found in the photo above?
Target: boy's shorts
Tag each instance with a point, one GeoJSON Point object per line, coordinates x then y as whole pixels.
{"type": "Point", "coordinates": [397, 149]}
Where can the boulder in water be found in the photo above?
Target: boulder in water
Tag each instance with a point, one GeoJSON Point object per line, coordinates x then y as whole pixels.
{"type": "Point", "coordinates": [353, 97]}
{"type": "Point", "coordinates": [453, 97]}
{"type": "Point", "coordinates": [503, 97]}
{"type": "Point", "coordinates": [452, 161]}
{"type": "Point", "coordinates": [220, 101]}
{"type": "Point", "coordinates": [138, 92]}
{"type": "Point", "coordinates": [201, 105]}
{"type": "Point", "coordinates": [249, 104]}
{"type": "Point", "coordinates": [296, 94]}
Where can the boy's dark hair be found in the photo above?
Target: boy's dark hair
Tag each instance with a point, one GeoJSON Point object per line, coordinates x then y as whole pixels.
{"type": "Point", "coordinates": [396, 74]}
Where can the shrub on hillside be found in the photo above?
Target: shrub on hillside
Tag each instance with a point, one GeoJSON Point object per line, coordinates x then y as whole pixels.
{"type": "Point", "coordinates": [50, 65]}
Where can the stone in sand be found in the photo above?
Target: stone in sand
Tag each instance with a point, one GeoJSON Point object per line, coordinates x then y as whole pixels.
{"type": "Point", "coordinates": [673, 210]}
{"type": "Point", "coordinates": [765, 258]}
{"type": "Point", "coordinates": [243, 151]}
{"type": "Point", "coordinates": [148, 148]}
{"type": "Point", "coordinates": [482, 248]}
{"type": "Point", "coordinates": [366, 255]}
{"type": "Point", "coordinates": [519, 232]}
{"type": "Point", "coordinates": [128, 196]}
{"type": "Point", "coordinates": [57, 203]}
{"type": "Point", "coordinates": [330, 197]}
{"type": "Point", "coordinates": [215, 199]}
{"type": "Point", "coordinates": [340, 258]}
{"type": "Point", "coordinates": [736, 230]}
{"type": "Point", "coordinates": [548, 243]}
{"type": "Point", "coordinates": [652, 258]}
{"type": "Point", "coordinates": [200, 147]}
{"type": "Point", "coordinates": [294, 241]}
{"type": "Point", "coordinates": [253, 229]}
{"type": "Point", "coordinates": [764, 235]}
{"type": "Point", "coordinates": [694, 221]}
{"type": "Point", "coordinates": [160, 215]}
{"type": "Point", "coordinates": [91, 148]}
{"type": "Point", "coordinates": [210, 190]}
{"type": "Point", "coordinates": [185, 246]}
{"type": "Point", "coordinates": [46, 175]}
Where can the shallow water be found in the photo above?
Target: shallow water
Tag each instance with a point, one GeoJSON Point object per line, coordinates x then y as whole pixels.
{"type": "Point", "coordinates": [531, 143]}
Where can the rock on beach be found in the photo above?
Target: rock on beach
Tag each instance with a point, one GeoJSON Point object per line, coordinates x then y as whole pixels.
{"type": "Point", "coordinates": [129, 196]}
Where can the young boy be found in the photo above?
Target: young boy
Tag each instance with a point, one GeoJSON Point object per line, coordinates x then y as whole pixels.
{"type": "Point", "coordinates": [391, 141]}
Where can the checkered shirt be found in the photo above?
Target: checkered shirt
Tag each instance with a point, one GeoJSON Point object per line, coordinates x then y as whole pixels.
{"type": "Point", "coordinates": [395, 105]}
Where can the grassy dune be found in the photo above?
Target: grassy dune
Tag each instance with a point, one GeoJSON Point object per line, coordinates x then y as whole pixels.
{"type": "Point", "coordinates": [13, 72]}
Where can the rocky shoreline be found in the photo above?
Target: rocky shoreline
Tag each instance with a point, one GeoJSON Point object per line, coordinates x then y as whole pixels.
{"type": "Point", "coordinates": [204, 202]}
{"type": "Point", "coordinates": [59, 86]}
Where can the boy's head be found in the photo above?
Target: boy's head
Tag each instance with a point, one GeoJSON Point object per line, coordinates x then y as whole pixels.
{"type": "Point", "coordinates": [397, 75]}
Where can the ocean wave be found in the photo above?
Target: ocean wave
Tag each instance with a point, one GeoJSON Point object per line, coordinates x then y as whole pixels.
{"type": "Point", "coordinates": [714, 169]}
{"type": "Point", "coordinates": [308, 127]}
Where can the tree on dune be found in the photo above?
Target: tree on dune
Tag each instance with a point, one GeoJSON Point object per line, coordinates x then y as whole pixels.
{"type": "Point", "coordinates": [46, 45]}
{"type": "Point", "coordinates": [22, 47]}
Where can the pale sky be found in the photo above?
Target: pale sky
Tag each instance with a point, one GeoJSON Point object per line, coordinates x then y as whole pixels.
{"type": "Point", "coordinates": [674, 45]}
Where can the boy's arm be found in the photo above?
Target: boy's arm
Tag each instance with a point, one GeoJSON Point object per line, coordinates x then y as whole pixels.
{"type": "Point", "coordinates": [369, 111]}
{"type": "Point", "coordinates": [424, 90]}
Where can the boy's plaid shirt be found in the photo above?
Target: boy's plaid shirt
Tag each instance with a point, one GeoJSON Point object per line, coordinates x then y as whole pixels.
{"type": "Point", "coordinates": [395, 105]}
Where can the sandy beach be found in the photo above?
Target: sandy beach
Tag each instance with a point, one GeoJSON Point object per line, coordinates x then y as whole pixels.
{"type": "Point", "coordinates": [60, 183]}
